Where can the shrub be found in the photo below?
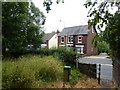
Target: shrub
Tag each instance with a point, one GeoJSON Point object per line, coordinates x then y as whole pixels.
{"type": "Point", "coordinates": [61, 53]}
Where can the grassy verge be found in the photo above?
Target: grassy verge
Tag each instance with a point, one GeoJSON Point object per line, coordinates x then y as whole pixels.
{"type": "Point", "coordinates": [32, 71]}
{"type": "Point", "coordinates": [75, 77]}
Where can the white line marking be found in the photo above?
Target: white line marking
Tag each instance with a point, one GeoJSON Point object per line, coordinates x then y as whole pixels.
{"type": "Point", "coordinates": [106, 64]}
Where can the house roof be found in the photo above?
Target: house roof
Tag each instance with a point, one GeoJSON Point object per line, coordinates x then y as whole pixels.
{"type": "Point", "coordinates": [47, 36]}
{"type": "Point", "coordinates": [76, 30]}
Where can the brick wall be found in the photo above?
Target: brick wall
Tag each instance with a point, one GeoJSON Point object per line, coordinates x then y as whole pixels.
{"type": "Point", "coordinates": [91, 50]}
{"type": "Point", "coordinates": [84, 40]}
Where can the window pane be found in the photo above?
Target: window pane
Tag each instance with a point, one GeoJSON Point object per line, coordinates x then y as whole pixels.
{"type": "Point", "coordinates": [79, 39]}
{"type": "Point", "coordinates": [62, 39]}
{"type": "Point", "coordinates": [69, 39]}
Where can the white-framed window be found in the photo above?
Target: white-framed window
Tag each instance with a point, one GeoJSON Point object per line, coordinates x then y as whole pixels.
{"type": "Point", "coordinates": [62, 39]}
{"type": "Point", "coordinates": [80, 39]}
{"type": "Point", "coordinates": [70, 39]}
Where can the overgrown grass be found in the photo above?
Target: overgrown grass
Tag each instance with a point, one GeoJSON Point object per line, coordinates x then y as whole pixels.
{"type": "Point", "coordinates": [75, 76]}
{"type": "Point", "coordinates": [30, 71]}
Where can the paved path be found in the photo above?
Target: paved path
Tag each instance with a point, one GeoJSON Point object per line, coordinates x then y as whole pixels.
{"type": "Point", "coordinates": [106, 67]}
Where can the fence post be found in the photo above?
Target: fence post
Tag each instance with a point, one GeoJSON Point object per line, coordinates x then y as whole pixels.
{"type": "Point", "coordinates": [90, 70]}
{"type": "Point", "coordinates": [77, 62]}
{"type": "Point", "coordinates": [99, 74]}
{"type": "Point", "coordinates": [67, 73]}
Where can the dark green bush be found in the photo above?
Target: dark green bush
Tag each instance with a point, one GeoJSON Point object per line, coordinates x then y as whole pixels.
{"type": "Point", "coordinates": [61, 53]}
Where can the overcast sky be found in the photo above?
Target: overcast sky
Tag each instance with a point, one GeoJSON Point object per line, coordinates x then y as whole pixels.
{"type": "Point", "coordinates": [67, 14]}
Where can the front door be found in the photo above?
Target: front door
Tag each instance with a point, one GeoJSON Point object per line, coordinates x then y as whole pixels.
{"type": "Point", "coordinates": [78, 49]}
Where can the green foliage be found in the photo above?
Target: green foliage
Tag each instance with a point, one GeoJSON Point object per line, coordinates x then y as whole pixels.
{"type": "Point", "coordinates": [112, 34]}
{"type": "Point", "coordinates": [30, 71]}
{"type": "Point", "coordinates": [67, 56]}
{"type": "Point", "coordinates": [75, 76]}
{"type": "Point", "coordinates": [103, 47]}
{"type": "Point", "coordinates": [47, 4]}
{"type": "Point", "coordinates": [61, 53]}
{"type": "Point", "coordinates": [13, 15]}
{"type": "Point", "coordinates": [101, 16]}
{"type": "Point", "coordinates": [21, 26]}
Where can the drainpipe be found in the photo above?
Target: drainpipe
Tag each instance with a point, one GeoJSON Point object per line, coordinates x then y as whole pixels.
{"type": "Point", "coordinates": [66, 39]}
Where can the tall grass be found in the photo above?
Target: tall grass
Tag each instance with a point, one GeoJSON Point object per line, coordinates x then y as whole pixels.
{"type": "Point", "coordinates": [30, 71]}
{"type": "Point", "coordinates": [62, 53]}
{"type": "Point", "coordinates": [34, 71]}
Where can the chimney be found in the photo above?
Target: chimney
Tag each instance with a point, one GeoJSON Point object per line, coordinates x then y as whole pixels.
{"type": "Point", "coordinates": [57, 31]}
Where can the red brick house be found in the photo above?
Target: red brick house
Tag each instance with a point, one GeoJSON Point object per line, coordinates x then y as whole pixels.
{"type": "Point", "coordinates": [80, 38]}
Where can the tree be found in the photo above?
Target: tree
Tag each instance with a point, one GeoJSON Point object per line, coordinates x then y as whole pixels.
{"type": "Point", "coordinates": [112, 34]}
{"type": "Point", "coordinates": [35, 20]}
{"type": "Point", "coordinates": [20, 26]}
{"type": "Point", "coordinates": [48, 3]}
{"type": "Point", "coordinates": [102, 17]}
{"type": "Point", "coordinates": [103, 47]}
{"type": "Point", "coordinates": [13, 15]}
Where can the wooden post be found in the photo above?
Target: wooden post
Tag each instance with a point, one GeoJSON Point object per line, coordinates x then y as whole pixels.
{"type": "Point", "coordinates": [99, 74]}
{"type": "Point", "coordinates": [90, 70]}
{"type": "Point", "coordinates": [77, 62]}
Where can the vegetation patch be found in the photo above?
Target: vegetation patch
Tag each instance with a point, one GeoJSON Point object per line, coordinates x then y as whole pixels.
{"type": "Point", "coordinates": [32, 71]}
{"type": "Point", "coordinates": [62, 53]}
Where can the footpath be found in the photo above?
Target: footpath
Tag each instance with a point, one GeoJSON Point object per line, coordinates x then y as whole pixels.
{"type": "Point", "coordinates": [106, 83]}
